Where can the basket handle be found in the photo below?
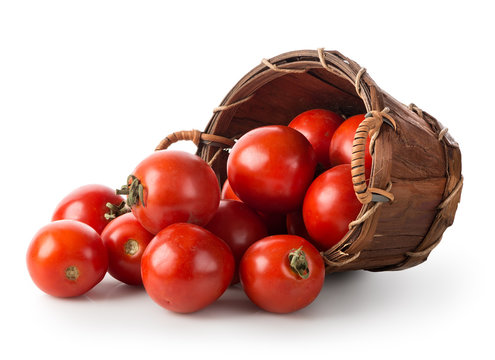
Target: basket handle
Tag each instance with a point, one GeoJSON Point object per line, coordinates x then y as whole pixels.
{"type": "Point", "coordinates": [196, 137]}
{"type": "Point", "coordinates": [370, 125]}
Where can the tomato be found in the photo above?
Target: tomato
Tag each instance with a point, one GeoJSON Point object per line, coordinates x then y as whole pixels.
{"type": "Point", "coordinates": [237, 225]}
{"type": "Point", "coordinates": [295, 225]}
{"type": "Point", "coordinates": [272, 283]}
{"type": "Point", "coordinates": [125, 240]}
{"type": "Point", "coordinates": [186, 268]}
{"type": "Point", "coordinates": [318, 126]}
{"type": "Point", "coordinates": [271, 167]}
{"type": "Point", "coordinates": [330, 205]}
{"type": "Point", "coordinates": [228, 193]}
{"type": "Point", "coordinates": [170, 187]}
{"type": "Point", "coordinates": [275, 223]}
{"type": "Point", "coordinates": [340, 150]}
{"type": "Point", "coordinates": [66, 258]}
{"type": "Point", "coordinates": [88, 204]}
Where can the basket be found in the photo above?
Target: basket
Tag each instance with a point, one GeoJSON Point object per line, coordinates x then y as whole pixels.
{"type": "Point", "coordinates": [415, 183]}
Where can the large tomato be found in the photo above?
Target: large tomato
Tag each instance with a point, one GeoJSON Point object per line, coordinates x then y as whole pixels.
{"type": "Point", "coordinates": [340, 150]}
{"type": "Point", "coordinates": [88, 204]}
{"type": "Point", "coordinates": [282, 273]}
{"type": "Point", "coordinates": [237, 225]}
{"type": "Point", "coordinates": [318, 126]}
{"type": "Point", "coordinates": [125, 240]}
{"type": "Point", "coordinates": [186, 268]}
{"type": "Point", "coordinates": [271, 167]}
{"type": "Point", "coordinates": [170, 187]}
{"type": "Point", "coordinates": [330, 205]}
{"type": "Point", "coordinates": [66, 258]}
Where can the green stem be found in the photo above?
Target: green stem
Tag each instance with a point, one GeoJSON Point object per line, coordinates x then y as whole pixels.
{"type": "Point", "coordinates": [298, 263]}
{"type": "Point", "coordinates": [134, 191]}
{"type": "Point", "coordinates": [116, 210]}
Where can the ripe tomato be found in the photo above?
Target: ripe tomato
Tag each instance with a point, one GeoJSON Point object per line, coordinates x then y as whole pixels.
{"type": "Point", "coordinates": [318, 126]}
{"type": "Point", "coordinates": [66, 258]}
{"type": "Point", "coordinates": [125, 240]}
{"type": "Point", "coordinates": [275, 223]}
{"type": "Point", "coordinates": [88, 204]}
{"type": "Point", "coordinates": [237, 225]}
{"type": "Point", "coordinates": [186, 268]}
{"type": "Point", "coordinates": [170, 187]}
{"type": "Point", "coordinates": [282, 273]}
{"type": "Point", "coordinates": [271, 167]}
{"type": "Point", "coordinates": [295, 225]}
{"type": "Point", "coordinates": [340, 150]}
{"type": "Point", "coordinates": [228, 193]}
{"type": "Point", "coordinates": [330, 205]}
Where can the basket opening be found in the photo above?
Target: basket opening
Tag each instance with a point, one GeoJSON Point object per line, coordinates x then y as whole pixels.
{"type": "Point", "coordinates": [279, 100]}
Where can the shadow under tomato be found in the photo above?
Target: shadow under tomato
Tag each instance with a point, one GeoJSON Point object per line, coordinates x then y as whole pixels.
{"type": "Point", "coordinates": [110, 289]}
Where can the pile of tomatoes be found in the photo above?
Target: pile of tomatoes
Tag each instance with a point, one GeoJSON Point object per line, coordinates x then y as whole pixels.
{"type": "Point", "coordinates": [288, 196]}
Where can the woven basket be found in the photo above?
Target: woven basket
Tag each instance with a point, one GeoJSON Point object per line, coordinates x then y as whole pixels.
{"type": "Point", "coordinates": [415, 182]}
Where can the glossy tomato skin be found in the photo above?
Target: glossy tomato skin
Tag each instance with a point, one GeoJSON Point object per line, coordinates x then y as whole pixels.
{"type": "Point", "coordinates": [318, 126]}
{"type": "Point", "coordinates": [178, 187]}
{"type": "Point", "coordinates": [330, 205]}
{"type": "Point", "coordinates": [269, 281]}
{"type": "Point", "coordinates": [66, 258]}
{"type": "Point", "coordinates": [237, 225]}
{"type": "Point", "coordinates": [87, 204]}
{"type": "Point", "coordinates": [340, 150]}
{"type": "Point", "coordinates": [228, 193]}
{"type": "Point", "coordinates": [125, 240]}
{"type": "Point", "coordinates": [271, 167]}
{"type": "Point", "coordinates": [185, 268]}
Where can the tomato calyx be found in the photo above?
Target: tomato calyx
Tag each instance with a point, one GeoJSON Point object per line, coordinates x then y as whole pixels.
{"type": "Point", "coordinates": [115, 211]}
{"type": "Point", "coordinates": [134, 191]}
{"type": "Point", "coordinates": [72, 273]}
{"type": "Point", "coordinates": [298, 262]}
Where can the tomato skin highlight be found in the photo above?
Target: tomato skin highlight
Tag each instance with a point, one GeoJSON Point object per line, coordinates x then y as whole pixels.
{"type": "Point", "coordinates": [318, 126]}
{"type": "Point", "coordinates": [178, 187]}
{"type": "Point", "coordinates": [87, 204]}
{"type": "Point", "coordinates": [271, 167]}
{"type": "Point", "coordinates": [340, 150]}
{"type": "Point", "coordinates": [330, 205]}
{"type": "Point", "coordinates": [271, 284]}
{"type": "Point", "coordinates": [239, 226]}
{"type": "Point", "coordinates": [185, 268]}
{"type": "Point", "coordinates": [66, 258]}
{"type": "Point", "coordinates": [125, 240]}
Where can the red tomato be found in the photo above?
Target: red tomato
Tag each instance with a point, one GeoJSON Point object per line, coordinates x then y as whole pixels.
{"type": "Point", "coordinates": [66, 258]}
{"type": "Point", "coordinates": [341, 145]}
{"type": "Point", "coordinates": [237, 225]}
{"type": "Point", "coordinates": [87, 204]}
{"type": "Point", "coordinates": [170, 187]}
{"type": "Point", "coordinates": [228, 193]}
{"type": "Point", "coordinates": [275, 223]}
{"type": "Point", "coordinates": [125, 240]}
{"type": "Point", "coordinates": [318, 126]}
{"type": "Point", "coordinates": [295, 225]}
{"type": "Point", "coordinates": [330, 205]}
{"type": "Point", "coordinates": [271, 167]}
{"type": "Point", "coordinates": [186, 268]}
{"type": "Point", "coordinates": [272, 283]}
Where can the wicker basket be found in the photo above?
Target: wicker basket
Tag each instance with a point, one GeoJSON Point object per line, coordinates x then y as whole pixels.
{"type": "Point", "coordinates": [416, 179]}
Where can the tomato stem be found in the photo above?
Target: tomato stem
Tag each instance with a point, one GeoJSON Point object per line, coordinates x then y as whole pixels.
{"type": "Point", "coordinates": [298, 263]}
{"type": "Point", "coordinates": [134, 191]}
{"type": "Point", "coordinates": [116, 210]}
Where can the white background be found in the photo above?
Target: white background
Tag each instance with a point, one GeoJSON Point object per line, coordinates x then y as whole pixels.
{"type": "Point", "coordinates": [88, 88]}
